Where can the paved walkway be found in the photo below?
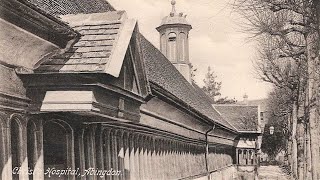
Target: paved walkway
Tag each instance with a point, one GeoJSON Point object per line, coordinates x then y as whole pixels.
{"type": "Point", "coordinates": [272, 173]}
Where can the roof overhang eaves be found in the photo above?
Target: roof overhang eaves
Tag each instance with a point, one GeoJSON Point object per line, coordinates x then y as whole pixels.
{"type": "Point", "coordinates": [163, 26]}
{"type": "Point", "coordinates": [158, 90]}
{"type": "Point", "coordinates": [248, 132]}
{"type": "Point", "coordinates": [32, 19]}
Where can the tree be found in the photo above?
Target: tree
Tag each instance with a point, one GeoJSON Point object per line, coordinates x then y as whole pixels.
{"type": "Point", "coordinates": [288, 31]}
{"type": "Point", "coordinates": [193, 72]}
{"type": "Point", "coordinates": [226, 100]}
{"type": "Point", "coordinates": [273, 144]}
{"type": "Point", "coordinates": [211, 85]}
{"type": "Point", "coordinates": [279, 107]}
{"type": "Point", "coordinates": [212, 88]}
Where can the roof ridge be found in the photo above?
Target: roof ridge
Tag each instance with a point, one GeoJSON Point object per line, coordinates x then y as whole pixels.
{"type": "Point", "coordinates": [234, 105]}
{"type": "Point", "coordinates": [62, 7]}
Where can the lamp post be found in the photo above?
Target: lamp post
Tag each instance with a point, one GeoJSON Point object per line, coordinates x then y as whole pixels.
{"type": "Point", "coordinates": [284, 132]}
{"type": "Point", "coordinates": [271, 129]}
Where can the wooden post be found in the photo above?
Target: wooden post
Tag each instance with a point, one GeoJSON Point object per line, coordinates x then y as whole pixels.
{"type": "Point", "coordinates": [167, 158]}
{"type": "Point", "coordinates": [184, 159]}
{"type": "Point", "coordinates": [2, 150]}
{"type": "Point", "coordinates": [162, 159]}
{"type": "Point", "coordinates": [189, 161]}
{"type": "Point", "coordinates": [137, 156]}
{"type": "Point", "coordinates": [237, 156]}
{"type": "Point", "coordinates": [120, 154]}
{"type": "Point", "coordinates": [107, 151]}
{"type": "Point", "coordinates": [153, 159]}
{"type": "Point", "coordinates": [133, 168]}
{"type": "Point", "coordinates": [141, 158]}
{"type": "Point", "coordinates": [38, 151]}
{"type": "Point", "coordinates": [99, 150]}
{"type": "Point", "coordinates": [240, 157]}
{"type": "Point", "coordinates": [7, 160]}
{"type": "Point", "coordinates": [126, 147]}
{"type": "Point", "coordinates": [172, 160]}
{"type": "Point", "coordinates": [254, 157]}
{"type": "Point", "coordinates": [148, 158]}
{"type": "Point", "coordinates": [114, 150]}
{"type": "Point", "coordinates": [91, 151]}
{"type": "Point", "coordinates": [81, 145]}
{"type": "Point", "coordinates": [23, 156]}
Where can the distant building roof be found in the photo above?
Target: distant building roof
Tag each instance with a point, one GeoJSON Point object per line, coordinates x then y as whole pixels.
{"type": "Point", "coordinates": [242, 117]}
{"type": "Point", "coordinates": [95, 51]}
{"type": "Point", "coordinates": [263, 103]}
{"type": "Point", "coordinates": [162, 73]}
{"type": "Point", "coordinates": [63, 7]}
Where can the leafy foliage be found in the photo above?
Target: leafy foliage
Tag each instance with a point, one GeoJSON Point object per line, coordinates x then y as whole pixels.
{"type": "Point", "coordinates": [279, 106]}
{"type": "Point", "coordinates": [193, 72]}
{"type": "Point", "coordinates": [272, 144]}
{"type": "Point", "coordinates": [212, 88]}
{"type": "Point", "coordinates": [225, 100]}
{"type": "Point", "coordinates": [211, 85]}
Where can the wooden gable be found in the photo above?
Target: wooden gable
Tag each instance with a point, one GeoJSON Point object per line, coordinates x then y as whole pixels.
{"type": "Point", "coordinates": [132, 76]}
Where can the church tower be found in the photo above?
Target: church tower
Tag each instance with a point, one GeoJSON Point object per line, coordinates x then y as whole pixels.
{"type": "Point", "coordinates": [174, 41]}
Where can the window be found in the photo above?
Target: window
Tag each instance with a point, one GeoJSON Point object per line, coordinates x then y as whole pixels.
{"type": "Point", "coordinates": [172, 46]}
{"type": "Point", "coordinates": [172, 37]}
{"type": "Point", "coordinates": [183, 55]}
{"type": "Point", "coordinates": [261, 116]}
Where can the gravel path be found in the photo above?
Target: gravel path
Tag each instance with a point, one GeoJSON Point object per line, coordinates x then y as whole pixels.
{"type": "Point", "coordinates": [272, 173]}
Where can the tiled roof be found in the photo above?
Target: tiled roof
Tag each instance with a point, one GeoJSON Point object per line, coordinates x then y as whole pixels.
{"type": "Point", "coordinates": [262, 103]}
{"type": "Point", "coordinates": [162, 73]}
{"type": "Point", "coordinates": [62, 7]}
{"type": "Point", "coordinates": [242, 117]}
{"type": "Point", "coordinates": [92, 53]}
{"type": "Point", "coordinates": [202, 93]}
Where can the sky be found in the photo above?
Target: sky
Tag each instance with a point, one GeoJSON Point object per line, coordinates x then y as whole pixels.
{"type": "Point", "coordinates": [216, 40]}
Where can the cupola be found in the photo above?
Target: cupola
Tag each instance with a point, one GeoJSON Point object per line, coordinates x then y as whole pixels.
{"type": "Point", "coordinates": [174, 40]}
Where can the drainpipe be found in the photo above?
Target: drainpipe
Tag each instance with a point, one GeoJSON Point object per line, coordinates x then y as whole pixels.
{"type": "Point", "coordinates": [207, 149]}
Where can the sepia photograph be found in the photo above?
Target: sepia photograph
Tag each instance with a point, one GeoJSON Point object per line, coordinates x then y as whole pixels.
{"type": "Point", "coordinates": [159, 89]}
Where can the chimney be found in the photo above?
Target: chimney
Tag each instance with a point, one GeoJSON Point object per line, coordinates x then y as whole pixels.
{"type": "Point", "coordinates": [245, 99]}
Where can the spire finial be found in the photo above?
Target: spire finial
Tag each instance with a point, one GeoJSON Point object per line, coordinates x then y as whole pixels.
{"type": "Point", "coordinates": [173, 11]}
